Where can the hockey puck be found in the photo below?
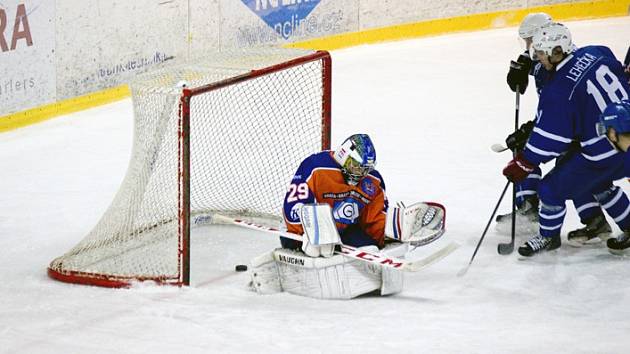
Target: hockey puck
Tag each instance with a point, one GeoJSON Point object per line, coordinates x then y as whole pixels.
{"type": "Point", "coordinates": [240, 268]}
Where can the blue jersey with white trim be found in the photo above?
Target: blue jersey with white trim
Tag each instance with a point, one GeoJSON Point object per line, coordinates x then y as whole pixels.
{"type": "Point", "coordinates": [583, 85]}
{"type": "Point", "coordinates": [541, 76]}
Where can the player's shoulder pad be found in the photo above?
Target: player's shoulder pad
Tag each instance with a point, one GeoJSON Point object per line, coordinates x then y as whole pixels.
{"type": "Point", "coordinates": [322, 159]}
{"type": "Point", "coordinates": [598, 50]}
{"type": "Point", "coordinates": [377, 175]}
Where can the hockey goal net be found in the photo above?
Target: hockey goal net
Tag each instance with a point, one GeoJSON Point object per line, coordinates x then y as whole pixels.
{"type": "Point", "coordinates": [229, 143]}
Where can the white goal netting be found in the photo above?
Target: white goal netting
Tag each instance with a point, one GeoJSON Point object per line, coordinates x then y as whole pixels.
{"type": "Point", "coordinates": [254, 115]}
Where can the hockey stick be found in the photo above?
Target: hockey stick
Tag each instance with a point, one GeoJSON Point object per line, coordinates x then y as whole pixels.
{"type": "Point", "coordinates": [498, 148]}
{"type": "Point", "coordinates": [352, 252]}
{"type": "Point", "coordinates": [508, 248]}
{"type": "Point", "coordinates": [464, 270]}
{"type": "Point", "coordinates": [626, 61]}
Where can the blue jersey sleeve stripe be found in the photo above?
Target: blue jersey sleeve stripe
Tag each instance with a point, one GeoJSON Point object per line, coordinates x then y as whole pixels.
{"type": "Point", "coordinates": [552, 136]}
{"type": "Point", "coordinates": [592, 141]}
{"type": "Point", "coordinates": [541, 152]}
{"type": "Point", "coordinates": [600, 156]}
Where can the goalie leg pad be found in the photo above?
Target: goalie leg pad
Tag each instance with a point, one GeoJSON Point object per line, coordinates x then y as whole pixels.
{"type": "Point", "coordinates": [336, 277]}
{"type": "Point", "coordinates": [393, 279]}
{"type": "Point", "coordinates": [265, 278]}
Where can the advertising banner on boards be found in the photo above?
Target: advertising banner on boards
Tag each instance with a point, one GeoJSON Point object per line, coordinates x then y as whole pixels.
{"type": "Point", "coordinates": [102, 44]}
{"type": "Point", "coordinates": [248, 23]}
{"type": "Point", "coordinates": [27, 54]}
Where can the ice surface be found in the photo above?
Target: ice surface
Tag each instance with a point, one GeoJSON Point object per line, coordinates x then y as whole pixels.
{"type": "Point", "coordinates": [433, 107]}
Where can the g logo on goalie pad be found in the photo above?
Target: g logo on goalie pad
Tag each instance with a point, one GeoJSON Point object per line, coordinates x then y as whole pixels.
{"type": "Point", "coordinates": [346, 212]}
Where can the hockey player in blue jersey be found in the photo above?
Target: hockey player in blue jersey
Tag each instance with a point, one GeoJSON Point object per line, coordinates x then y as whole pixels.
{"type": "Point", "coordinates": [589, 210]}
{"type": "Point", "coordinates": [525, 65]}
{"type": "Point", "coordinates": [518, 80]}
{"type": "Point", "coordinates": [615, 121]}
{"type": "Point", "coordinates": [583, 82]}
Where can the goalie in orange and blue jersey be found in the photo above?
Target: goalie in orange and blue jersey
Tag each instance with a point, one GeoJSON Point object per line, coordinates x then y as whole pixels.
{"type": "Point", "coordinates": [346, 180]}
{"type": "Point", "coordinates": [353, 210]}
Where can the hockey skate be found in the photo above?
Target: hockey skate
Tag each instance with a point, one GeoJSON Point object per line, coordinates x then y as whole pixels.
{"type": "Point", "coordinates": [620, 245]}
{"type": "Point", "coordinates": [596, 230]}
{"type": "Point", "coordinates": [538, 244]}
{"type": "Point", "coordinates": [526, 219]}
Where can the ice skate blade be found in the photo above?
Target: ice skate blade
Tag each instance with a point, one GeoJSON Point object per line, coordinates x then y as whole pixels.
{"type": "Point", "coordinates": [620, 253]}
{"type": "Point", "coordinates": [539, 255]}
{"type": "Point", "coordinates": [579, 242]}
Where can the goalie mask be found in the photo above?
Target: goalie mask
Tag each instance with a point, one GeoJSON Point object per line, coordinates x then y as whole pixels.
{"type": "Point", "coordinates": [357, 158]}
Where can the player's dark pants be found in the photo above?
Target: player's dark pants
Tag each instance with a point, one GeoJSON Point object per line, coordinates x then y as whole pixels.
{"type": "Point", "coordinates": [579, 178]}
{"type": "Point", "coordinates": [351, 236]}
{"type": "Point", "coordinates": [586, 205]}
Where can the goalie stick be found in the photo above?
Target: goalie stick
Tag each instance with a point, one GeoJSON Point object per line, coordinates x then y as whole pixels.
{"type": "Point", "coordinates": [346, 250]}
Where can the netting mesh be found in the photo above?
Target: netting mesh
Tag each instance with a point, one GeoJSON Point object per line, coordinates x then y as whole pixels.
{"type": "Point", "coordinates": [246, 141]}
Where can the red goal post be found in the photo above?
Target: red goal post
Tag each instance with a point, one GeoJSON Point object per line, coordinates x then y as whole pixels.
{"type": "Point", "coordinates": [228, 142]}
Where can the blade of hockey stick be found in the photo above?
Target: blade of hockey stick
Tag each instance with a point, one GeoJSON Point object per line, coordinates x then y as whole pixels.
{"type": "Point", "coordinates": [376, 258]}
{"type": "Point", "coordinates": [498, 148]}
{"type": "Point", "coordinates": [505, 249]}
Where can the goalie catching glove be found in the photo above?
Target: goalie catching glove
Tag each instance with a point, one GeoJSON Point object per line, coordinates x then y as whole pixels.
{"type": "Point", "coordinates": [417, 224]}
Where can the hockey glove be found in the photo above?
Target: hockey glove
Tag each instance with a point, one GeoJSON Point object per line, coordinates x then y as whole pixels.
{"type": "Point", "coordinates": [518, 169]}
{"type": "Point", "coordinates": [518, 76]}
{"type": "Point", "coordinates": [517, 140]}
{"type": "Point", "coordinates": [417, 224]}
